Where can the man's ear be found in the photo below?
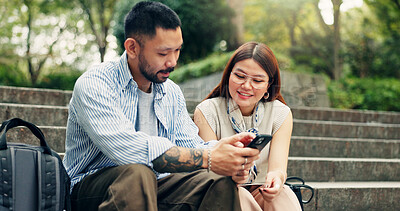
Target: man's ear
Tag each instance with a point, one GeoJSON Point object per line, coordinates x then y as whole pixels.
{"type": "Point", "coordinates": [132, 47]}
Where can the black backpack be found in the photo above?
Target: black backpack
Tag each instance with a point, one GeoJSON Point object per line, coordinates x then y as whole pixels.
{"type": "Point", "coordinates": [32, 177]}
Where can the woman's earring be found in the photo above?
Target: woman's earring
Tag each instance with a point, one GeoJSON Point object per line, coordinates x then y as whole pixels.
{"type": "Point", "coordinates": [266, 96]}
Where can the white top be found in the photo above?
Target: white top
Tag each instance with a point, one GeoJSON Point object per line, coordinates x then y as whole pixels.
{"type": "Point", "coordinates": [275, 113]}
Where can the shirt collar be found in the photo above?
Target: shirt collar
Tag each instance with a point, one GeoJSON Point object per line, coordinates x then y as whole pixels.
{"type": "Point", "coordinates": [125, 73]}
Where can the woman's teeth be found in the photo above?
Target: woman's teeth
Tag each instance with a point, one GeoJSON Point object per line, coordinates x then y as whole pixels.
{"type": "Point", "coordinates": [247, 95]}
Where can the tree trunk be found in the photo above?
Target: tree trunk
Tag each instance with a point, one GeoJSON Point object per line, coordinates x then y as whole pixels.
{"type": "Point", "coordinates": [291, 23]}
{"type": "Point", "coordinates": [337, 64]}
{"type": "Point", "coordinates": [238, 20]}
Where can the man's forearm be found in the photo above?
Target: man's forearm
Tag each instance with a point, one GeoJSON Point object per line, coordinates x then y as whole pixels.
{"type": "Point", "coordinates": [179, 159]}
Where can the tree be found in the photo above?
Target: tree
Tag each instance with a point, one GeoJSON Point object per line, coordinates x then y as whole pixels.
{"type": "Point", "coordinates": [238, 19]}
{"type": "Point", "coordinates": [297, 27]}
{"type": "Point", "coordinates": [204, 24]}
{"type": "Point", "coordinates": [387, 13]}
{"type": "Point", "coordinates": [99, 16]}
{"type": "Point", "coordinates": [38, 37]}
{"type": "Point", "coordinates": [372, 41]}
{"type": "Point", "coordinates": [33, 36]}
{"type": "Point", "coordinates": [121, 9]}
{"type": "Point", "coordinates": [35, 62]}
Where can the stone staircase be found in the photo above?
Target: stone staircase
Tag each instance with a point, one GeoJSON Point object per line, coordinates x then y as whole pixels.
{"type": "Point", "coordinates": [350, 157]}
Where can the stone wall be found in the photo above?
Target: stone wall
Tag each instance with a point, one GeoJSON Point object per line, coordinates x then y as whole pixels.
{"type": "Point", "coordinates": [297, 89]}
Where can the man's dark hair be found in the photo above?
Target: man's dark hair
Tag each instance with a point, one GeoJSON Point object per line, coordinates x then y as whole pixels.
{"type": "Point", "coordinates": [146, 16]}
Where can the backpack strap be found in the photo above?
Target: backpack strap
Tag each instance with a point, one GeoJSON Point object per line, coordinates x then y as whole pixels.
{"type": "Point", "coordinates": [49, 184]}
{"type": "Point", "coordinates": [6, 179]}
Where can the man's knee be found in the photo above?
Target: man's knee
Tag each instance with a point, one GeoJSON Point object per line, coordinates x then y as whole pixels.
{"type": "Point", "coordinates": [219, 182]}
{"type": "Point", "coordinates": [224, 183]}
{"type": "Point", "coordinates": [136, 173]}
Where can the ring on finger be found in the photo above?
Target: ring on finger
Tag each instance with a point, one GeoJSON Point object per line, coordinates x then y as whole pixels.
{"type": "Point", "coordinates": [245, 161]}
{"type": "Point", "coordinates": [242, 166]}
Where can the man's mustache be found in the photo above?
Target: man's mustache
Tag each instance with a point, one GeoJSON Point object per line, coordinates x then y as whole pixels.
{"type": "Point", "coordinates": [168, 70]}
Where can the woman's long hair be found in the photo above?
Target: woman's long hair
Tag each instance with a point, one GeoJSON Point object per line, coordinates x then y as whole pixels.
{"type": "Point", "coordinates": [262, 55]}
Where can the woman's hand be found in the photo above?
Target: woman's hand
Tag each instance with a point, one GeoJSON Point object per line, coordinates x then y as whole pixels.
{"type": "Point", "coordinates": [273, 185]}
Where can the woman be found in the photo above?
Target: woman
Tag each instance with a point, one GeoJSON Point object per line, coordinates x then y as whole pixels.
{"type": "Point", "coordinates": [248, 99]}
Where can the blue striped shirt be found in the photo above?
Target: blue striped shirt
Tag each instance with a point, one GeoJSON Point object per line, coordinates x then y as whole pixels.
{"type": "Point", "coordinates": [102, 117]}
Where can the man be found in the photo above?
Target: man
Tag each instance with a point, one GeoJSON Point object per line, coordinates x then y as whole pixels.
{"type": "Point", "coordinates": [128, 129]}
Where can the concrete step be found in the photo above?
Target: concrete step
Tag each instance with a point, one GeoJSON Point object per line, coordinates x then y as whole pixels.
{"type": "Point", "coordinates": [54, 136]}
{"type": "Point", "coordinates": [336, 129]}
{"type": "Point", "coordinates": [36, 114]}
{"type": "Point", "coordinates": [300, 146]}
{"type": "Point", "coordinates": [355, 196]}
{"type": "Point", "coordinates": [57, 116]}
{"type": "Point", "coordinates": [330, 114]}
{"type": "Point", "coordinates": [303, 146]}
{"type": "Point", "coordinates": [309, 168]}
{"type": "Point", "coordinates": [323, 169]}
{"type": "Point", "coordinates": [34, 96]}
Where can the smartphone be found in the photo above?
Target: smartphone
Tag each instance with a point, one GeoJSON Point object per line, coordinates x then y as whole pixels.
{"type": "Point", "coordinates": [260, 141]}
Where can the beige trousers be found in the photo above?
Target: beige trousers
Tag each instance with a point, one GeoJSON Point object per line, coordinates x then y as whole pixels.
{"type": "Point", "coordinates": [285, 201]}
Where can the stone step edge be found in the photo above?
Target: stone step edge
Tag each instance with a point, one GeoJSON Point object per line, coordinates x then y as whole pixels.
{"type": "Point", "coordinates": [355, 184]}
{"type": "Point", "coordinates": [344, 110]}
{"type": "Point", "coordinates": [328, 159]}
{"type": "Point", "coordinates": [336, 159]}
{"type": "Point", "coordinates": [320, 138]}
{"type": "Point", "coordinates": [33, 106]}
{"type": "Point", "coordinates": [307, 108]}
{"type": "Point", "coordinates": [328, 122]}
{"type": "Point", "coordinates": [35, 89]}
{"type": "Point", "coordinates": [188, 100]}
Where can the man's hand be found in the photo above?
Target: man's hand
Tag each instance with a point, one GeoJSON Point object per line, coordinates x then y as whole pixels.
{"type": "Point", "coordinates": [229, 156]}
{"type": "Point", "coordinates": [241, 177]}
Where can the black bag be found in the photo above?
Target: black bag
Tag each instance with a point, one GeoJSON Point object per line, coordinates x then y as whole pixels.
{"type": "Point", "coordinates": [298, 186]}
{"type": "Point", "coordinates": [32, 177]}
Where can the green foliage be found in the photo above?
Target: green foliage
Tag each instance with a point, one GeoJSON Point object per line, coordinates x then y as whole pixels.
{"type": "Point", "coordinates": [204, 24]}
{"type": "Point", "coordinates": [64, 80]}
{"type": "Point", "coordinates": [59, 80]}
{"type": "Point", "coordinates": [216, 63]}
{"type": "Point", "coordinates": [367, 93]}
{"type": "Point", "coordinates": [12, 76]}
{"type": "Point", "coordinates": [122, 8]}
{"type": "Point", "coordinates": [212, 64]}
{"type": "Point", "coordinates": [372, 47]}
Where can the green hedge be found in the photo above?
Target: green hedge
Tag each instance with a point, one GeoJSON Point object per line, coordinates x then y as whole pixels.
{"type": "Point", "coordinates": [211, 64]}
{"type": "Point", "coordinates": [215, 63]}
{"type": "Point", "coordinates": [60, 80]}
{"type": "Point", "coordinates": [366, 93]}
{"type": "Point", "coordinates": [12, 76]}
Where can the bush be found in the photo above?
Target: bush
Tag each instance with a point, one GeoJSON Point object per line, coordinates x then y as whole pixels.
{"type": "Point", "coordinates": [59, 80]}
{"type": "Point", "coordinates": [212, 64]}
{"type": "Point", "coordinates": [216, 63]}
{"type": "Point", "coordinates": [366, 93]}
{"type": "Point", "coordinates": [12, 76]}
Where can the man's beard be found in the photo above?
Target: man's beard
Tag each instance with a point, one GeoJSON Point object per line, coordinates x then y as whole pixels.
{"type": "Point", "coordinates": [150, 75]}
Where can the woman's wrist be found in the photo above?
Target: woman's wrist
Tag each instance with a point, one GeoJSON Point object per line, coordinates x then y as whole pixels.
{"type": "Point", "coordinates": [282, 174]}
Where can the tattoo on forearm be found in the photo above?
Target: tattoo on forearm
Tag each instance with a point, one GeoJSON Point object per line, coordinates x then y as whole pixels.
{"type": "Point", "coordinates": [179, 160]}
